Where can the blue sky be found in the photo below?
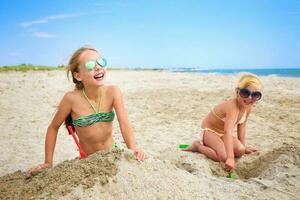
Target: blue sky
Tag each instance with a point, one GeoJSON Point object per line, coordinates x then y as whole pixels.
{"type": "Point", "coordinates": [153, 33]}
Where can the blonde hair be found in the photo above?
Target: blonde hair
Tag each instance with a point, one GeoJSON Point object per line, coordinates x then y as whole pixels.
{"type": "Point", "coordinates": [247, 80]}
{"type": "Point", "coordinates": [73, 65]}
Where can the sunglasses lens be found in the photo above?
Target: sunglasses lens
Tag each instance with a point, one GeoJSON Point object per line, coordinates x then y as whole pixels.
{"type": "Point", "coordinates": [245, 93]}
{"type": "Point", "coordinates": [102, 62]}
{"type": "Point", "coordinates": [256, 96]}
{"type": "Point", "coordinates": [90, 65]}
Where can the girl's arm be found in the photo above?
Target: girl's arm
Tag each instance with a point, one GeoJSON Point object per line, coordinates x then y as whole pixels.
{"type": "Point", "coordinates": [64, 109]}
{"type": "Point", "coordinates": [241, 132]}
{"type": "Point", "coordinates": [241, 129]}
{"type": "Point", "coordinates": [228, 141]}
{"type": "Point", "coordinates": [124, 123]}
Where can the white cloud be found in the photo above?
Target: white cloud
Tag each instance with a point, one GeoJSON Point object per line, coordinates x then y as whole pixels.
{"type": "Point", "coordinates": [43, 35]}
{"type": "Point", "coordinates": [60, 16]}
{"type": "Point", "coordinates": [46, 19]}
{"type": "Point", "coordinates": [40, 34]}
{"type": "Point", "coordinates": [15, 54]}
{"type": "Point", "coordinates": [30, 23]}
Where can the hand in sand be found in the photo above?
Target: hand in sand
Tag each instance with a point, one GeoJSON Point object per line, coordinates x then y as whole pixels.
{"type": "Point", "coordinates": [229, 164]}
{"type": "Point", "coordinates": [139, 154]}
{"type": "Point", "coordinates": [250, 150]}
{"type": "Point", "coordinates": [34, 170]}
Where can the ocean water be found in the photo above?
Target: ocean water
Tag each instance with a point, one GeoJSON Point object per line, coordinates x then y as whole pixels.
{"type": "Point", "coordinates": [283, 72]}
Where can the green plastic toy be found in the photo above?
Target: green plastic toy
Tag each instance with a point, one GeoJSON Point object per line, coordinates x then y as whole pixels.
{"type": "Point", "coordinates": [183, 146]}
{"type": "Point", "coordinates": [232, 175]}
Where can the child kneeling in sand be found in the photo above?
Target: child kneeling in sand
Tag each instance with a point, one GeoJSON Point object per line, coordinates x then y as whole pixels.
{"type": "Point", "coordinates": [216, 140]}
{"type": "Point", "coordinates": [89, 109]}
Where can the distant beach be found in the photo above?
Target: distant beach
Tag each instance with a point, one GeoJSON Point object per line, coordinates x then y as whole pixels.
{"type": "Point", "coordinates": [281, 72]}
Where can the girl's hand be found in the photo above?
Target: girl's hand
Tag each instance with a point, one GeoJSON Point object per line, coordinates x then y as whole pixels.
{"type": "Point", "coordinates": [250, 150]}
{"type": "Point", "coordinates": [38, 168]}
{"type": "Point", "coordinates": [229, 164]}
{"type": "Point", "coordinates": [139, 154]}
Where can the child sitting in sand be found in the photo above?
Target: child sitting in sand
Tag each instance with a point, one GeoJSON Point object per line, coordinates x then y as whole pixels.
{"type": "Point", "coordinates": [216, 140]}
{"type": "Point", "coordinates": [90, 109]}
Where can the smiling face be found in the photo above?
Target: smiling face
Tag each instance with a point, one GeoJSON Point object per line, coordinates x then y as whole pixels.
{"type": "Point", "coordinates": [248, 90]}
{"type": "Point", "coordinates": [248, 96]}
{"type": "Point", "coordinates": [87, 75]}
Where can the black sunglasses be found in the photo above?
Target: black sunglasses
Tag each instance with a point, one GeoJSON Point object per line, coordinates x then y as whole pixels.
{"type": "Point", "coordinates": [245, 93]}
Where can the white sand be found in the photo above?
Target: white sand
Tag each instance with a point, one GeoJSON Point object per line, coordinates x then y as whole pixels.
{"type": "Point", "coordinates": [165, 109]}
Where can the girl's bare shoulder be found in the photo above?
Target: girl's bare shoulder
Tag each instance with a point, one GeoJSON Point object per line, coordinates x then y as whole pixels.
{"type": "Point", "coordinates": [70, 96]}
{"type": "Point", "coordinates": [224, 104]}
{"type": "Point", "coordinates": [111, 89]}
{"type": "Point", "coordinates": [228, 106]}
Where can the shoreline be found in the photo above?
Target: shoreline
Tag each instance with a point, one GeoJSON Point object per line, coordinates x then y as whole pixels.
{"type": "Point", "coordinates": [264, 72]}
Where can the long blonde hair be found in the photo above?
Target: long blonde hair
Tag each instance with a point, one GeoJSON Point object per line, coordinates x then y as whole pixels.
{"type": "Point", "coordinates": [73, 65]}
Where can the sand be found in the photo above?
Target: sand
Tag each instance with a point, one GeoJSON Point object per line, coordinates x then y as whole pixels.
{"type": "Point", "coordinates": [165, 109]}
{"type": "Point", "coordinates": [60, 180]}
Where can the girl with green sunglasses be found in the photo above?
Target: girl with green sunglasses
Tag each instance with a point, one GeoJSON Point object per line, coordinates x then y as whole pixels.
{"type": "Point", "coordinates": [89, 110]}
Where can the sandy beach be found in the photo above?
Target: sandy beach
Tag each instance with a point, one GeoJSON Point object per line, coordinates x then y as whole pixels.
{"type": "Point", "coordinates": [165, 109]}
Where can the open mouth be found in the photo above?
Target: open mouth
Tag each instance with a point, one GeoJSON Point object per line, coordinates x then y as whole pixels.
{"type": "Point", "coordinates": [99, 76]}
{"type": "Point", "coordinates": [247, 102]}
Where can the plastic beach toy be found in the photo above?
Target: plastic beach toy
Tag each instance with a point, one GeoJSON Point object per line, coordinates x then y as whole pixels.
{"type": "Point", "coordinates": [82, 154]}
{"type": "Point", "coordinates": [232, 175]}
{"type": "Point", "coordinates": [183, 146]}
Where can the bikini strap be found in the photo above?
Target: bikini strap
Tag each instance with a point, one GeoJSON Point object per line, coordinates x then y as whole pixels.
{"type": "Point", "coordinates": [236, 118]}
{"type": "Point", "coordinates": [213, 112]}
{"type": "Point", "coordinates": [99, 104]}
{"type": "Point", "coordinates": [243, 118]}
{"type": "Point", "coordinates": [102, 95]}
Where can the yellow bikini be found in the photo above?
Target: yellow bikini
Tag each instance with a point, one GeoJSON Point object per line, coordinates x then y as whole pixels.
{"type": "Point", "coordinates": [241, 121]}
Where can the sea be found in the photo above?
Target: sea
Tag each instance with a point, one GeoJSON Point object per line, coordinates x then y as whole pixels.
{"type": "Point", "coordinates": [281, 72]}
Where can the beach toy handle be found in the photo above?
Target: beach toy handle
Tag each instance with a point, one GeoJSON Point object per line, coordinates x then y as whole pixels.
{"type": "Point", "coordinates": [232, 175]}
{"type": "Point", "coordinates": [183, 146]}
{"type": "Point", "coordinates": [82, 154]}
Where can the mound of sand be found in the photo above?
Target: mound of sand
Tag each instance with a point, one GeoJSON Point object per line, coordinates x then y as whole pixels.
{"type": "Point", "coordinates": [60, 180]}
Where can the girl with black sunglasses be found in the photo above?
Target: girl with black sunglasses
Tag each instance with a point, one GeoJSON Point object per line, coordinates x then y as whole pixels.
{"type": "Point", "coordinates": [215, 138]}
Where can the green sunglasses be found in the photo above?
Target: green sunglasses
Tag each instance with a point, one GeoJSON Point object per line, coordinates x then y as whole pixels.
{"type": "Point", "coordinates": [91, 64]}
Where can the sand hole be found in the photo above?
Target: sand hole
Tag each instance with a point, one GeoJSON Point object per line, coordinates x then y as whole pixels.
{"type": "Point", "coordinates": [186, 166]}
{"type": "Point", "coordinates": [269, 164]}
